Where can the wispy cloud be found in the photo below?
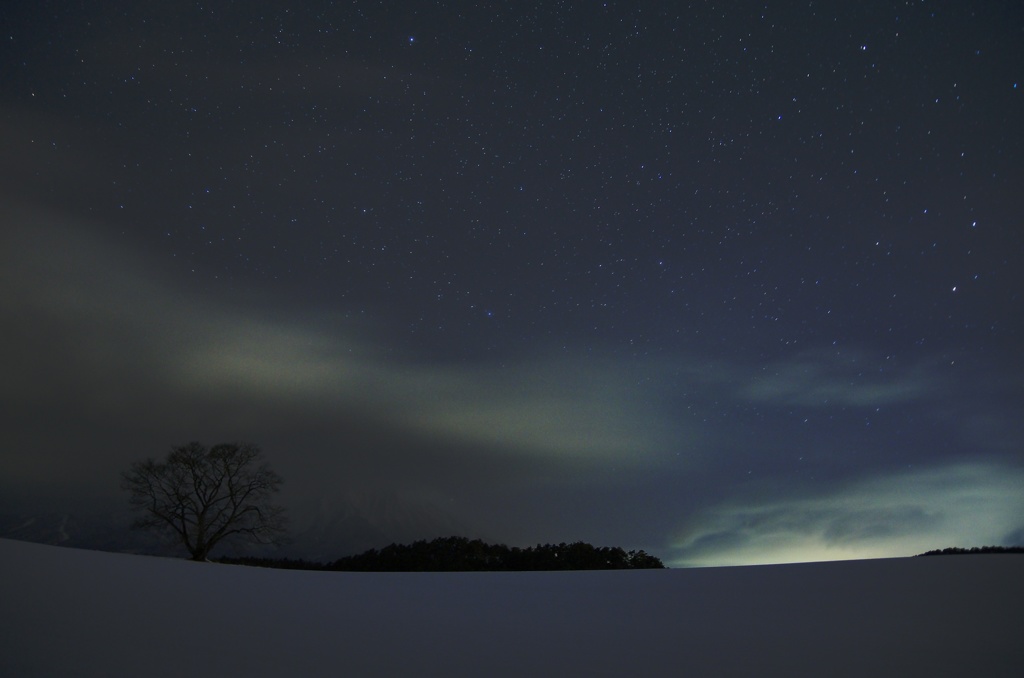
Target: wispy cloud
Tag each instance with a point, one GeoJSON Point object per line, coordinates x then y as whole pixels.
{"type": "Point", "coordinates": [126, 315]}
{"type": "Point", "coordinates": [837, 378]}
{"type": "Point", "coordinates": [590, 412]}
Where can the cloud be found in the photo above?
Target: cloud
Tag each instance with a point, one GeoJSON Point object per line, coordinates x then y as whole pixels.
{"type": "Point", "coordinates": [886, 516]}
{"type": "Point", "coordinates": [565, 407]}
{"type": "Point", "coordinates": [127, 341]}
{"type": "Point", "coordinates": [836, 378]}
{"type": "Point", "coordinates": [540, 407]}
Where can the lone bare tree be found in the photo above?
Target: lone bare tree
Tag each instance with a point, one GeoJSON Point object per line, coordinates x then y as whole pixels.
{"type": "Point", "coordinates": [203, 496]}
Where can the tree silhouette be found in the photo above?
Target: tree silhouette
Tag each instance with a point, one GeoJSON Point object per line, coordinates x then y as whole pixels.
{"type": "Point", "coordinates": [203, 496]}
{"type": "Point", "coordinates": [459, 554]}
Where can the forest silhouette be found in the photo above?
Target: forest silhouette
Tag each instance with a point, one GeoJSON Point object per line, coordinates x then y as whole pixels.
{"type": "Point", "coordinates": [460, 554]}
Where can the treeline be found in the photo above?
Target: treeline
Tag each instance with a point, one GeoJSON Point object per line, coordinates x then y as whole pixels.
{"type": "Point", "coordinates": [459, 554]}
{"type": "Point", "coordinates": [955, 551]}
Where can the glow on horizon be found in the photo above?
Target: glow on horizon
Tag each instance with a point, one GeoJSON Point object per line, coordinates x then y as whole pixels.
{"type": "Point", "coordinates": [892, 516]}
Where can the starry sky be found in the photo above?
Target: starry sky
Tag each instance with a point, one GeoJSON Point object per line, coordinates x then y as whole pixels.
{"type": "Point", "coordinates": [730, 282]}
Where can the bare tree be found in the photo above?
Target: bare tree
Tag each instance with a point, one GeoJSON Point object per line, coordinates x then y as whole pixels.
{"type": "Point", "coordinates": [203, 496]}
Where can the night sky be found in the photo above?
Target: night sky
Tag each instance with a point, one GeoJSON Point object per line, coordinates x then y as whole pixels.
{"type": "Point", "coordinates": [729, 282]}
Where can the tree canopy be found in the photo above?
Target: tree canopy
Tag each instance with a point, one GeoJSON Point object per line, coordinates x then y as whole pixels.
{"type": "Point", "coordinates": [203, 496]}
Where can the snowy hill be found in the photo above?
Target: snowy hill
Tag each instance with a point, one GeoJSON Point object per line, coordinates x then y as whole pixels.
{"type": "Point", "coordinates": [87, 613]}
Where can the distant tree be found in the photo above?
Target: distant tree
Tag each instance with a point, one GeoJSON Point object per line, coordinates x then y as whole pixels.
{"type": "Point", "coordinates": [975, 550]}
{"type": "Point", "coordinates": [203, 496]}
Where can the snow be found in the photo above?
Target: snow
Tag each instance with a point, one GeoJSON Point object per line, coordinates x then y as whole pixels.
{"type": "Point", "coordinates": [86, 613]}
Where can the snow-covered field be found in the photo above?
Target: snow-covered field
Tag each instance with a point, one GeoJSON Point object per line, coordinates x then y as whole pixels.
{"type": "Point", "coordinates": [67, 612]}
